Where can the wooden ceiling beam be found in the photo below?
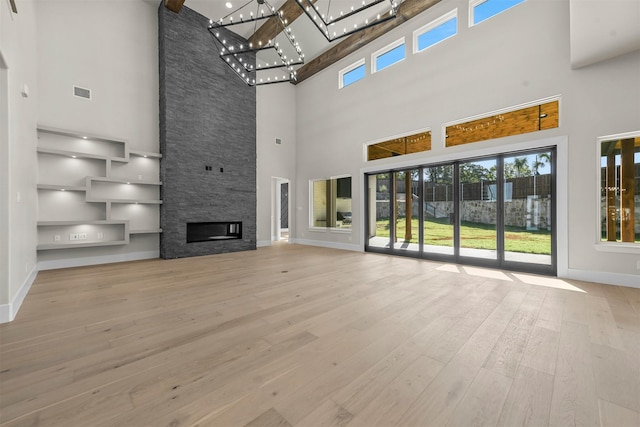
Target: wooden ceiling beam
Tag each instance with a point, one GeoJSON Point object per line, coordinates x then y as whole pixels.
{"type": "Point", "coordinates": [174, 5]}
{"type": "Point", "coordinates": [272, 27]}
{"type": "Point", "coordinates": [408, 9]}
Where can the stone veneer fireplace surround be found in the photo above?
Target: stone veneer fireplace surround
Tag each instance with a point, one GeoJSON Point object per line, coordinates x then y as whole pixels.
{"type": "Point", "coordinates": [207, 138]}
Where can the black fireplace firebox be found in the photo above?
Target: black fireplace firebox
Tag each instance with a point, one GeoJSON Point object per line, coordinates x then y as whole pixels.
{"type": "Point", "coordinates": [213, 231]}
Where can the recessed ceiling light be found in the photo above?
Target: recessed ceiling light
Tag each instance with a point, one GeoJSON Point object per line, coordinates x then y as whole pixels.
{"type": "Point", "coordinates": [228, 5]}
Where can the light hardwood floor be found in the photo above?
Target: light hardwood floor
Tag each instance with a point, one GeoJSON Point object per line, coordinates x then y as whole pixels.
{"type": "Point", "coordinates": [303, 336]}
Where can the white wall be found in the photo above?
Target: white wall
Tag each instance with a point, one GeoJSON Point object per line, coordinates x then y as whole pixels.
{"type": "Point", "coordinates": [112, 49]}
{"type": "Point", "coordinates": [603, 29]}
{"type": "Point", "coordinates": [17, 149]}
{"type": "Point", "coordinates": [519, 56]}
{"type": "Point", "coordinates": [276, 116]}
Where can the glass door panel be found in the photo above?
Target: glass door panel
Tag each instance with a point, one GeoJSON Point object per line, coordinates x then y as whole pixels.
{"type": "Point", "coordinates": [438, 209]}
{"type": "Point", "coordinates": [478, 209]}
{"type": "Point", "coordinates": [407, 211]}
{"type": "Point", "coordinates": [527, 208]}
{"type": "Point", "coordinates": [380, 210]}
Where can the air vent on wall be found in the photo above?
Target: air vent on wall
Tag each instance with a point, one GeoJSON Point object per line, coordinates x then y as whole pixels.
{"type": "Point", "coordinates": [82, 92]}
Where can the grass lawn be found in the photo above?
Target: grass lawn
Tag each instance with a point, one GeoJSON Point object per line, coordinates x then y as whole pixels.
{"type": "Point", "coordinates": [474, 235]}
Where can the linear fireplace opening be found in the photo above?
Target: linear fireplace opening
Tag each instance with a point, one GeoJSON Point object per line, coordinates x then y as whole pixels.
{"type": "Point", "coordinates": [208, 231]}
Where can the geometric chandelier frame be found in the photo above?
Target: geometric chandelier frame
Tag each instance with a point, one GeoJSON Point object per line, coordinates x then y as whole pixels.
{"type": "Point", "coordinates": [280, 56]}
{"type": "Point", "coordinates": [241, 57]}
{"type": "Point", "coordinates": [327, 24]}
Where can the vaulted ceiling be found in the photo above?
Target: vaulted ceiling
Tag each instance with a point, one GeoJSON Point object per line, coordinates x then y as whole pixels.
{"type": "Point", "coordinates": [319, 53]}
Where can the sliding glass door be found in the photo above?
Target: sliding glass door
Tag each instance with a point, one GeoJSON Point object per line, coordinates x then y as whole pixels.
{"type": "Point", "coordinates": [407, 211]}
{"type": "Point", "coordinates": [493, 211]}
{"type": "Point", "coordinates": [438, 210]}
{"type": "Point", "coordinates": [380, 210]}
{"type": "Point", "coordinates": [528, 199]}
{"type": "Point", "coordinates": [478, 209]}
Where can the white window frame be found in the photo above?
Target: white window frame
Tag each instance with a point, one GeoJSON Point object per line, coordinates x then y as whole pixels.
{"type": "Point", "coordinates": [444, 126]}
{"type": "Point", "coordinates": [365, 146]}
{"type": "Point", "coordinates": [474, 3]}
{"type": "Point", "coordinates": [312, 227]}
{"type": "Point", "coordinates": [620, 247]}
{"type": "Point", "coordinates": [348, 69]}
{"type": "Point", "coordinates": [430, 26]}
{"type": "Point", "coordinates": [384, 50]}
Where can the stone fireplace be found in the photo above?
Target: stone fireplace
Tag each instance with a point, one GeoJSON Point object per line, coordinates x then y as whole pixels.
{"type": "Point", "coordinates": [207, 141]}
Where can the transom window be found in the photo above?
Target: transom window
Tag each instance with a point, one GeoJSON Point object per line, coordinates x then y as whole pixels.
{"type": "Point", "coordinates": [532, 118]}
{"type": "Point", "coordinates": [481, 10]}
{"type": "Point", "coordinates": [388, 55]}
{"type": "Point", "coordinates": [415, 143]}
{"type": "Point", "coordinates": [352, 74]}
{"type": "Point", "coordinates": [436, 31]}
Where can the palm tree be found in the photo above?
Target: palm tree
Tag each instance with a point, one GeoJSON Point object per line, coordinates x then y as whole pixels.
{"type": "Point", "coordinates": [521, 166]}
{"type": "Point", "coordinates": [541, 160]}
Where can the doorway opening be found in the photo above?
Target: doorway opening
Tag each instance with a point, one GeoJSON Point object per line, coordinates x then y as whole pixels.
{"type": "Point", "coordinates": [280, 218]}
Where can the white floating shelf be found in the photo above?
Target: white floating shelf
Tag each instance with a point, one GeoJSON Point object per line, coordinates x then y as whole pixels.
{"type": "Point", "coordinates": [80, 222]}
{"type": "Point", "coordinates": [147, 231]}
{"type": "Point", "coordinates": [148, 154]}
{"type": "Point", "coordinates": [122, 181]}
{"type": "Point", "coordinates": [61, 187]}
{"type": "Point", "coordinates": [79, 135]}
{"type": "Point", "coordinates": [76, 154]}
{"type": "Point", "coordinates": [126, 201]}
{"type": "Point", "coordinates": [49, 246]}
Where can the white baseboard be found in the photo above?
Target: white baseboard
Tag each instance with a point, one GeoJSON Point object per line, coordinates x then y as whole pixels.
{"type": "Point", "coordinates": [263, 243]}
{"type": "Point", "coordinates": [8, 311]}
{"type": "Point", "coordinates": [96, 260]}
{"type": "Point", "coordinates": [331, 245]}
{"type": "Point", "coordinates": [617, 279]}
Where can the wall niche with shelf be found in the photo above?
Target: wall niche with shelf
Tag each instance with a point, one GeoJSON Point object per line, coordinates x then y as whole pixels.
{"type": "Point", "coordinates": [94, 191]}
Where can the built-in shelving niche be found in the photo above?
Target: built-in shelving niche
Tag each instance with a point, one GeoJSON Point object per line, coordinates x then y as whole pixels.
{"type": "Point", "coordinates": [94, 190]}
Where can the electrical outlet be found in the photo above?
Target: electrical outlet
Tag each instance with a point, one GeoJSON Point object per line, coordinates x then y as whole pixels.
{"type": "Point", "coordinates": [56, 238]}
{"type": "Point", "coordinates": [82, 236]}
{"type": "Point", "coordinates": [100, 236]}
{"type": "Point", "coordinates": [73, 236]}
